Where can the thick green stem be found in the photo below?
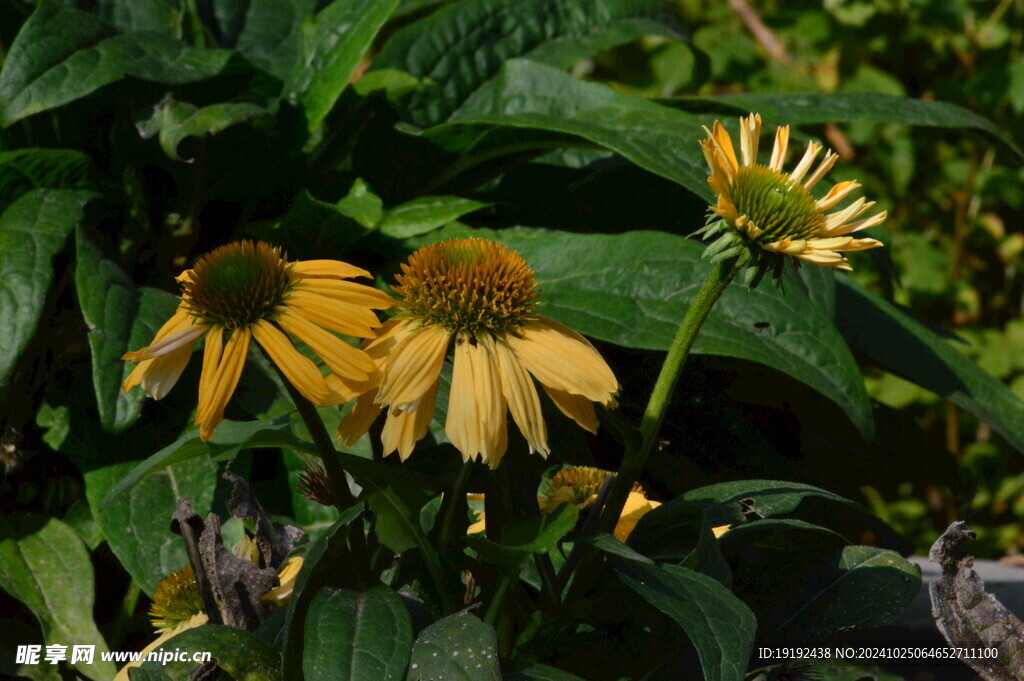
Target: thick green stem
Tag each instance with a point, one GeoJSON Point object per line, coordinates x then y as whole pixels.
{"type": "Point", "coordinates": [689, 327]}
{"type": "Point", "coordinates": [494, 609]}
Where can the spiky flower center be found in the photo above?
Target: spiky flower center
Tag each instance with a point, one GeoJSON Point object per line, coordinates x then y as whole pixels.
{"type": "Point", "coordinates": [472, 285]}
{"type": "Point", "coordinates": [775, 204]}
{"type": "Point", "coordinates": [238, 284]}
{"type": "Point", "coordinates": [175, 600]}
{"type": "Point", "coordinates": [584, 482]}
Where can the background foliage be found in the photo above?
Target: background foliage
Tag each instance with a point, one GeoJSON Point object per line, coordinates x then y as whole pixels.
{"type": "Point", "coordinates": [139, 134]}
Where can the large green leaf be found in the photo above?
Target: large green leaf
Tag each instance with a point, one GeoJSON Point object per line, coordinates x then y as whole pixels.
{"type": "Point", "coordinates": [456, 648]}
{"type": "Point", "coordinates": [645, 281]}
{"type": "Point", "coordinates": [23, 170]}
{"type": "Point", "coordinates": [529, 95]}
{"type": "Point", "coordinates": [271, 34]}
{"type": "Point", "coordinates": [720, 625]}
{"type": "Point", "coordinates": [907, 348]}
{"type": "Point", "coordinates": [163, 16]}
{"type": "Point", "coordinates": [333, 43]}
{"type": "Point", "coordinates": [353, 636]}
{"type": "Point", "coordinates": [425, 214]}
{"type": "Point", "coordinates": [858, 586]}
{"type": "Point", "coordinates": [62, 54]}
{"type": "Point", "coordinates": [44, 565]}
{"type": "Point", "coordinates": [120, 317]}
{"type": "Point", "coordinates": [242, 655]}
{"type": "Point", "coordinates": [462, 46]}
{"type": "Point", "coordinates": [32, 230]}
{"type": "Point", "coordinates": [836, 107]}
{"type": "Point", "coordinates": [137, 524]}
{"type": "Point", "coordinates": [520, 538]}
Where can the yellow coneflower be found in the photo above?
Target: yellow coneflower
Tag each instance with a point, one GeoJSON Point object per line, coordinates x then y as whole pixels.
{"type": "Point", "coordinates": [247, 291]}
{"type": "Point", "coordinates": [481, 295]}
{"type": "Point", "coordinates": [775, 211]}
{"type": "Point", "coordinates": [580, 485]}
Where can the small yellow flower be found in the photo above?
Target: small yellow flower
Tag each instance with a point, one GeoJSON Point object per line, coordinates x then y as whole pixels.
{"type": "Point", "coordinates": [774, 210]}
{"type": "Point", "coordinates": [580, 485]}
{"type": "Point", "coordinates": [247, 291]}
{"type": "Point", "coordinates": [481, 295]}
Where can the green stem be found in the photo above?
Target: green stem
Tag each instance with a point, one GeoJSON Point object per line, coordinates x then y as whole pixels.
{"type": "Point", "coordinates": [494, 609]}
{"type": "Point", "coordinates": [550, 590]}
{"type": "Point", "coordinates": [453, 503]}
{"type": "Point", "coordinates": [689, 327]}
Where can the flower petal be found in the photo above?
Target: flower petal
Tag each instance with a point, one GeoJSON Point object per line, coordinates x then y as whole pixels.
{"type": "Point", "coordinates": [476, 408]}
{"type": "Point", "coordinates": [576, 407]}
{"type": "Point", "coordinates": [338, 355]}
{"type": "Point", "coordinates": [158, 376]}
{"type": "Point", "coordinates": [348, 292]}
{"type": "Point", "coordinates": [346, 318]}
{"type": "Point", "coordinates": [187, 332]}
{"type": "Point", "coordinates": [358, 421]}
{"type": "Point", "coordinates": [813, 148]}
{"type": "Point", "coordinates": [750, 135]}
{"type": "Point", "coordinates": [404, 428]}
{"type": "Point", "coordinates": [414, 365]}
{"type": "Point", "coordinates": [562, 359]}
{"type": "Point", "coordinates": [330, 269]}
{"type": "Point", "coordinates": [779, 150]}
{"type": "Point", "coordinates": [212, 354]}
{"type": "Point", "coordinates": [300, 371]}
{"type": "Point", "coordinates": [210, 411]}
{"type": "Point", "coordinates": [636, 507]}
{"type": "Point", "coordinates": [826, 165]}
{"type": "Point", "coordinates": [838, 192]}
{"type": "Point", "coordinates": [521, 394]}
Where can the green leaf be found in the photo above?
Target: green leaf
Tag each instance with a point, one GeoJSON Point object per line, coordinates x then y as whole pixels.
{"type": "Point", "coordinates": [353, 636]}
{"type": "Point", "coordinates": [241, 654]}
{"type": "Point", "coordinates": [44, 565]}
{"type": "Point", "coordinates": [174, 121]}
{"type": "Point", "coordinates": [137, 524]}
{"type": "Point", "coordinates": [319, 564]}
{"type": "Point", "coordinates": [362, 205]}
{"type": "Point", "coordinates": [720, 625]}
{"type": "Point", "coordinates": [162, 16]}
{"type": "Point", "coordinates": [520, 538]}
{"type": "Point", "coordinates": [907, 348]}
{"type": "Point", "coordinates": [858, 586]}
{"type": "Point", "coordinates": [425, 214]}
{"type": "Point", "coordinates": [841, 107]}
{"type": "Point", "coordinates": [646, 280]}
{"type": "Point", "coordinates": [120, 317]}
{"type": "Point", "coordinates": [310, 227]}
{"type": "Point", "coordinates": [230, 438]}
{"type": "Point", "coordinates": [33, 229]}
{"type": "Point", "coordinates": [398, 510]}
{"type": "Point", "coordinates": [333, 43]}
{"type": "Point", "coordinates": [456, 648]}
{"type": "Point", "coordinates": [528, 95]}
{"type": "Point", "coordinates": [23, 170]}
{"type": "Point", "coordinates": [271, 35]}
{"type": "Point", "coordinates": [459, 48]}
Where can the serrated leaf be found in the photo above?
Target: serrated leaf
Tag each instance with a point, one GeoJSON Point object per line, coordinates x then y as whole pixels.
{"type": "Point", "coordinates": [353, 636]}
{"type": "Point", "coordinates": [907, 348]}
{"type": "Point", "coordinates": [425, 214]}
{"type": "Point", "coordinates": [841, 107]}
{"type": "Point", "coordinates": [137, 524]}
{"type": "Point", "coordinates": [33, 229]}
{"type": "Point", "coordinates": [174, 121]}
{"type": "Point", "coordinates": [456, 648]}
{"type": "Point", "coordinates": [332, 44]}
{"type": "Point", "coordinates": [23, 170]}
{"type": "Point", "coordinates": [720, 626]}
{"type": "Point", "coordinates": [62, 54]}
{"type": "Point", "coordinates": [239, 653]}
{"type": "Point", "coordinates": [44, 565]}
{"type": "Point", "coordinates": [119, 317]}
{"type": "Point", "coordinates": [459, 48]}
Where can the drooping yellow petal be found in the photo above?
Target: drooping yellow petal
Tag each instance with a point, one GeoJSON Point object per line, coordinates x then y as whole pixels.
{"type": "Point", "coordinates": [185, 336]}
{"type": "Point", "coordinates": [476, 409]}
{"type": "Point", "coordinates": [636, 507]}
{"type": "Point", "coordinates": [348, 292]}
{"type": "Point", "coordinates": [346, 318]}
{"type": "Point", "coordinates": [576, 407]}
{"type": "Point", "coordinates": [414, 365]}
{"type": "Point", "coordinates": [404, 428]}
{"type": "Point", "coordinates": [521, 394]}
{"type": "Point", "coordinates": [282, 593]}
{"type": "Point", "coordinates": [212, 354]}
{"type": "Point", "coordinates": [328, 269]}
{"type": "Point", "coordinates": [562, 359]}
{"type": "Point", "coordinates": [210, 412]}
{"type": "Point", "coordinates": [338, 355]}
{"type": "Point", "coordinates": [159, 375]}
{"type": "Point", "coordinates": [300, 371]}
{"type": "Point", "coordinates": [358, 421]}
